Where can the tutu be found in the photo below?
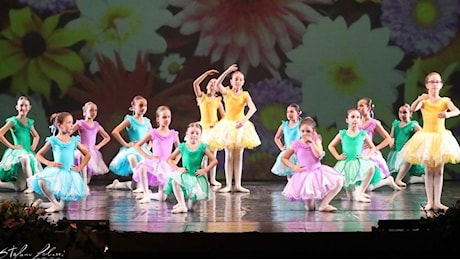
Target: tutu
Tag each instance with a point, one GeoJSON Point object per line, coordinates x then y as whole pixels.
{"type": "Point", "coordinates": [194, 187]}
{"type": "Point", "coordinates": [226, 135]}
{"type": "Point", "coordinates": [280, 169]}
{"type": "Point", "coordinates": [96, 165]}
{"type": "Point", "coordinates": [158, 171]}
{"type": "Point", "coordinates": [395, 162]}
{"type": "Point", "coordinates": [120, 163]}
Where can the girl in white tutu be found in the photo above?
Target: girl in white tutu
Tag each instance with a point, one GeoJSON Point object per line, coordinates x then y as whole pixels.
{"type": "Point", "coordinates": [88, 129]}
{"type": "Point", "coordinates": [311, 180]}
{"type": "Point", "coordinates": [61, 180]}
{"type": "Point", "coordinates": [434, 145]}
{"type": "Point", "coordinates": [234, 132]}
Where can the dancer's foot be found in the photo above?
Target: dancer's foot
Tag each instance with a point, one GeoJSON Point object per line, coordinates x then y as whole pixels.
{"type": "Point", "coordinates": [401, 184]}
{"type": "Point", "coordinates": [361, 198]}
{"type": "Point", "coordinates": [112, 185]}
{"type": "Point", "coordinates": [138, 190]}
{"type": "Point", "coordinates": [241, 189]}
{"type": "Point", "coordinates": [158, 196]}
{"type": "Point", "coordinates": [427, 207]}
{"type": "Point", "coordinates": [175, 206]}
{"type": "Point", "coordinates": [327, 208]}
{"type": "Point", "coordinates": [37, 203]}
{"type": "Point", "coordinates": [179, 209]}
{"type": "Point", "coordinates": [310, 205]}
{"type": "Point", "coordinates": [440, 207]}
{"type": "Point", "coordinates": [392, 184]}
{"type": "Point", "coordinates": [145, 199]}
{"type": "Point", "coordinates": [28, 191]}
{"type": "Point", "coordinates": [225, 189]}
{"type": "Point", "coordinates": [215, 183]}
{"type": "Point", "coordinates": [55, 207]}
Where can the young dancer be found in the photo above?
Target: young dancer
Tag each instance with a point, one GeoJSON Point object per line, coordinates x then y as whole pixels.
{"type": "Point", "coordinates": [153, 169]}
{"type": "Point", "coordinates": [434, 145]}
{"type": "Point", "coordinates": [88, 129]}
{"type": "Point", "coordinates": [311, 180]}
{"type": "Point", "coordinates": [189, 181]}
{"type": "Point", "coordinates": [382, 177]}
{"type": "Point", "coordinates": [209, 104]}
{"type": "Point", "coordinates": [288, 131]}
{"type": "Point", "coordinates": [234, 132]}
{"type": "Point", "coordinates": [137, 126]}
{"type": "Point", "coordinates": [18, 162]}
{"type": "Point", "coordinates": [355, 165]}
{"type": "Point", "coordinates": [61, 181]}
{"type": "Point", "coordinates": [401, 131]}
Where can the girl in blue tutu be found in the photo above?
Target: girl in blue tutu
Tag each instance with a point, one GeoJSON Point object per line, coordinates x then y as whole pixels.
{"type": "Point", "coordinates": [61, 180]}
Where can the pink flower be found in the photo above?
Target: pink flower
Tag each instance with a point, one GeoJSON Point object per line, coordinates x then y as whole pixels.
{"type": "Point", "coordinates": [246, 32]}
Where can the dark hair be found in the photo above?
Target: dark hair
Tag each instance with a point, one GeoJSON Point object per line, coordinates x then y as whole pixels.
{"type": "Point", "coordinates": [57, 118]}
{"type": "Point", "coordinates": [23, 98]}
{"type": "Point", "coordinates": [133, 102]}
{"type": "Point", "coordinates": [370, 104]}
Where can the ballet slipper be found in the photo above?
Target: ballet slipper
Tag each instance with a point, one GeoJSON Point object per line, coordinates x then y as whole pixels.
{"type": "Point", "coordinates": [310, 205]}
{"type": "Point", "coordinates": [28, 191]}
{"type": "Point", "coordinates": [361, 198]}
{"type": "Point", "coordinates": [392, 183]}
{"type": "Point", "coordinates": [241, 189]}
{"type": "Point", "coordinates": [139, 196]}
{"type": "Point", "coordinates": [225, 189]}
{"type": "Point", "coordinates": [327, 208]}
{"type": "Point", "coordinates": [215, 183]}
{"type": "Point", "coordinates": [427, 207]}
{"type": "Point", "coordinates": [401, 184]}
{"type": "Point", "coordinates": [175, 206]}
{"type": "Point", "coordinates": [440, 207]}
{"type": "Point", "coordinates": [157, 196]}
{"type": "Point", "coordinates": [37, 203]}
{"type": "Point", "coordinates": [179, 209]}
{"type": "Point", "coordinates": [144, 200]}
{"type": "Point", "coordinates": [138, 190]}
{"type": "Point", "coordinates": [112, 185]}
{"type": "Point", "coordinates": [55, 208]}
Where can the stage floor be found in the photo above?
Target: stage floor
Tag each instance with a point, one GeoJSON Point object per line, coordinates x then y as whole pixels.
{"type": "Point", "coordinates": [263, 210]}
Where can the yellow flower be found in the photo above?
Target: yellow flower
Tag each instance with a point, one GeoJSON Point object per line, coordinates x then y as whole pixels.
{"type": "Point", "coordinates": [35, 53]}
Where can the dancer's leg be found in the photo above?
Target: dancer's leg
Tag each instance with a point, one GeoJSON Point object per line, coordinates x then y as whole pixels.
{"type": "Point", "coordinates": [437, 189]}
{"type": "Point", "coordinates": [401, 174]}
{"type": "Point", "coordinates": [429, 189]}
{"type": "Point", "coordinates": [228, 170]}
{"type": "Point", "coordinates": [179, 194]}
{"type": "Point", "coordinates": [238, 169]}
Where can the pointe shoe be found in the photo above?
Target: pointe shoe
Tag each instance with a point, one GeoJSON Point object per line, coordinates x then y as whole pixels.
{"type": "Point", "coordinates": [179, 209]}
{"type": "Point", "coordinates": [241, 189]}
{"type": "Point", "coordinates": [37, 203]}
{"type": "Point", "coordinates": [225, 189]}
{"type": "Point", "coordinates": [112, 185]}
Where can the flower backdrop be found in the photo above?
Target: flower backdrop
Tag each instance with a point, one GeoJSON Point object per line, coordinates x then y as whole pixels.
{"type": "Point", "coordinates": [321, 54]}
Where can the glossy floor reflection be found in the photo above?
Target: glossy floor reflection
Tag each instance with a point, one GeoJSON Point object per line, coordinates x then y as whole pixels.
{"type": "Point", "coordinates": [263, 210]}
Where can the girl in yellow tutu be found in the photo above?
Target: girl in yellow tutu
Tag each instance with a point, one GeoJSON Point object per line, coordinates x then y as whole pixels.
{"type": "Point", "coordinates": [434, 145]}
{"type": "Point", "coordinates": [234, 132]}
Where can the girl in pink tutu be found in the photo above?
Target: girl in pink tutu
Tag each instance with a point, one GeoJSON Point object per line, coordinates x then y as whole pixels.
{"type": "Point", "coordinates": [433, 145]}
{"type": "Point", "coordinates": [311, 180]}
{"type": "Point", "coordinates": [153, 169]}
{"type": "Point", "coordinates": [88, 129]}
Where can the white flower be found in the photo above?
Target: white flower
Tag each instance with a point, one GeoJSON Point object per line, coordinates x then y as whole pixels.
{"type": "Point", "coordinates": [337, 65]}
{"type": "Point", "coordinates": [126, 27]}
{"type": "Point", "coordinates": [170, 67]}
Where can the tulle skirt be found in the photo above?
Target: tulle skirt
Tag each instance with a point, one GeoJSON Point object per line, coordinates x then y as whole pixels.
{"type": "Point", "coordinates": [11, 163]}
{"type": "Point", "coordinates": [395, 162]}
{"type": "Point", "coordinates": [64, 185]}
{"type": "Point", "coordinates": [431, 149]}
{"type": "Point", "coordinates": [96, 165]}
{"type": "Point", "coordinates": [378, 159]}
{"type": "Point", "coordinates": [356, 170]}
{"type": "Point", "coordinates": [194, 187]}
{"type": "Point", "coordinates": [120, 164]}
{"type": "Point", "coordinates": [280, 169]}
{"type": "Point", "coordinates": [312, 185]}
{"type": "Point", "coordinates": [226, 135]}
{"type": "Point", "coordinates": [158, 171]}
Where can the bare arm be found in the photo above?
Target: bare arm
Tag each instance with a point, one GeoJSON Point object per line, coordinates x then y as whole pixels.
{"type": "Point", "coordinates": [35, 138]}
{"type": "Point", "coordinates": [285, 159]}
{"type": "Point", "coordinates": [384, 134]}
{"type": "Point", "coordinates": [197, 81]}
{"type": "Point", "coordinates": [212, 162]}
{"type": "Point", "coordinates": [392, 135]}
{"type": "Point", "coordinates": [337, 139]}
{"type": "Point", "coordinates": [105, 138]}
{"type": "Point", "coordinates": [252, 110]}
{"type": "Point", "coordinates": [117, 130]}
{"type": "Point", "coordinates": [172, 161]}
{"type": "Point", "coordinates": [222, 76]}
{"type": "Point", "coordinates": [417, 104]}
{"type": "Point", "coordinates": [317, 148]}
{"type": "Point", "coordinates": [453, 110]}
{"type": "Point", "coordinates": [40, 155]}
{"type": "Point", "coordinates": [370, 144]}
{"type": "Point", "coordinates": [3, 139]}
{"type": "Point", "coordinates": [85, 159]}
{"type": "Point", "coordinates": [277, 138]}
{"type": "Point", "coordinates": [141, 142]}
